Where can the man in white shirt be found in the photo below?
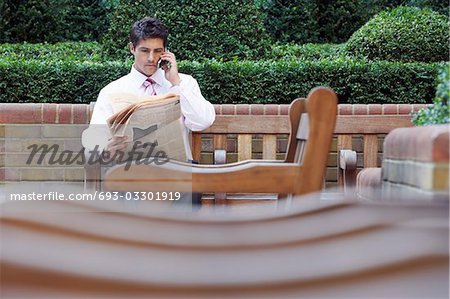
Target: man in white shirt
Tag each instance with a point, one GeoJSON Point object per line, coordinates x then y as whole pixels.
{"type": "Point", "coordinates": [148, 44]}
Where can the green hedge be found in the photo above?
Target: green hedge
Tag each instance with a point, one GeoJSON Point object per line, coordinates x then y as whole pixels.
{"type": "Point", "coordinates": [198, 29]}
{"type": "Point", "coordinates": [440, 6]}
{"type": "Point", "coordinates": [64, 51]}
{"type": "Point", "coordinates": [328, 21]}
{"type": "Point", "coordinates": [230, 82]}
{"type": "Point", "coordinates": [403, 34]}
{"type": "Point", "coordinates": [291, 20]}
{"type": "Point", "coordinates": [53, 20]}
{"type": "Point", "coordinates": [91, 51]}
{"type": "Point", "coordinates": [306, 21]}
{"type": "Point", "coordinates": [439, 112]}
{"type": "Point", "coordinates": [338, 19]}
{"type": "Point", "coordinates": [307, 51]}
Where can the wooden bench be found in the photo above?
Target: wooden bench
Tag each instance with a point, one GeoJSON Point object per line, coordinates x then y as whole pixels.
{"type": "Point", "coordinates": [312, 124]}
{"type": "Point", "coordinates": [270, 128]}
{"type": "Point", "coordinates": [351, 131]}
{"type": "Point", "coordinates": [316, 249]}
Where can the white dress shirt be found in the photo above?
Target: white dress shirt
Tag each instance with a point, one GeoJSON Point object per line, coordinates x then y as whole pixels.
{"type": "Point", "coordinates": [198, 113]}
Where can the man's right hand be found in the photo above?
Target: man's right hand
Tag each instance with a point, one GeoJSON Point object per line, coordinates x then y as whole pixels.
{"type": "Point", "coordinates": [114, 145]}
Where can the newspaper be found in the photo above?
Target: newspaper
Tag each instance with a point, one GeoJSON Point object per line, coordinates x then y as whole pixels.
{"type": "Point", "coordinates": [152, 124]}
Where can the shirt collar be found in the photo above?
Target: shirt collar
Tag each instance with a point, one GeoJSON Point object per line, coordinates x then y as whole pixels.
{"type": "Point", "coordinates": [138, 79]}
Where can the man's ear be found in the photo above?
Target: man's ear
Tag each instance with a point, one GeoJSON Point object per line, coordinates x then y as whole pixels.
{"type": "Point", "coordinates": [131, 48]}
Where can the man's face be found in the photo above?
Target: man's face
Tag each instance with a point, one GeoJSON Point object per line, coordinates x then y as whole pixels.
{"type": "Point", "coordinates": [147, 54]}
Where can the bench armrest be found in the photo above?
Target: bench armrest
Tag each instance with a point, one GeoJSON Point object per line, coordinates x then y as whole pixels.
{"type": "Point", "coordinates": [220, 158]}
{"type": "Point", "coordinates": [347, 169]}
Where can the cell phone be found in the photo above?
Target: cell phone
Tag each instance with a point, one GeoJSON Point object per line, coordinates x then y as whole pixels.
{"type": "Point", "coordinates": [162, 63]}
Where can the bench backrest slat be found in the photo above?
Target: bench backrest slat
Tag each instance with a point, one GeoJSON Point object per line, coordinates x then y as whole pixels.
{"type": "Point", "coordinates": [269, 147]}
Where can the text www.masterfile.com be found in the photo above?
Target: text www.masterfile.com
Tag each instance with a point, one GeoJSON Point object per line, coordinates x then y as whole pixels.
{"type": "Point", "coordinates": [97, 195]}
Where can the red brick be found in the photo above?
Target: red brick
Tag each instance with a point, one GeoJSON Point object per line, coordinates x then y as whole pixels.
{"type": "Point", "coordinates": [90, 109]}
{"type": "Point", "coordinates": [284, 109]}
{"type": "Point", "coordinates": [21, 113]}
{"type": "Point", "coordinates": [427, 144]}
{"type": "Point", "coordinates": [390, 109]}
{"type": "Point", "coordinates": [375, 109]}
{"type": "Point", "coordinates": [218, 109]}
{"type": "Point", "coordinates": [79, 114]}
{"type": "Point", "coordinates": [49, 113]}
{"type": "Point", "coordinates": [404, 109]}
{"type": "Point", "coordinates": [360, 109]}
{"type": "Point", "coordinates": [393, 144]}
{"type": "Point", "coordinates": [345, 109]}
{"type": "Point", "coordinates": [408, 150]}
{"type": "Point", "coordinates": [389, 142]}
{"type": "Point", "coordinates": [257, 109]}
{"type": "Point", "coordinates": [401, 143]}
{"type": "Point", "coordinates": [417, 107]}
{"type": "Point", "coordinates": [242, 109]}
{"type": "Point", "coordinates": [228, 109]}
{"type": "Point", "coordinates": [407, 145]}
{"type": "Point", "coordinates": [270, 109]}
{"type": "Point", "coordinates": [64, 113]}
{"type": "Point", "coordinates": [423, 148]}
{"type": "Point", "coordinates": [441, 141]}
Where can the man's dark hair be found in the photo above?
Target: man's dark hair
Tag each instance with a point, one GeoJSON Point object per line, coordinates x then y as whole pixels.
{"type": "Point", "coordinates": [148, 28]}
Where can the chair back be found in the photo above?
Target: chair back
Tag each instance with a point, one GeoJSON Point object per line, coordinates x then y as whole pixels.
{"type": "Point", "coordinates": [297, 110]}
{"type": "Point", "coordinates": [312, 127]}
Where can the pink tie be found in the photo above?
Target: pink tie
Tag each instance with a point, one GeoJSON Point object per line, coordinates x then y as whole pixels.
{"type": "Point", "coordinates": [149, 87]}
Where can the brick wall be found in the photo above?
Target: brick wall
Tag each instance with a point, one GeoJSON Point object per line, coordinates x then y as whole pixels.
{"type": "Point", "coordinates": [62, 124]}
{"type": "Point", "coordinates": [417, 159]}
{"type": "Point", "coordinates": [415, 163]}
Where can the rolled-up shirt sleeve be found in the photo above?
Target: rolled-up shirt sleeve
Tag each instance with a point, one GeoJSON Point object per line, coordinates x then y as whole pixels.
{"type": "Point", "coordinates": [198, 113]}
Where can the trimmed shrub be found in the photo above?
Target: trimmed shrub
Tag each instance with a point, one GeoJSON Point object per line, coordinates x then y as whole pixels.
{"type": "Point", "coordinates": [54, 80]}
{"type": "Point", "coordinates": [86, 20]}
{"type": "Point", "coordinates": [403, 34]}
{"type": "Point", "coordinates": [439, 112]}
{"type": "Point", "coordinates": [328, 21]}
{"type": "Point", "coordinates": [440, 6]}
{"type": "Point", "coordinates": [52, 21]}
{"type": "Point", "coordinates": [281, 81]}
{"type": "Point", "coordinates": [339, 19]}
{"type": "Point", "coordinates": [307, 51]}
{"type": "Point", "coordinates": [67, 51]}
{"type": "Point", "coordinates": [91, 51]}
{"type": "Point", "coordinates": [198, 29]}
{"type": "Point", "coordinates": [291, 20]}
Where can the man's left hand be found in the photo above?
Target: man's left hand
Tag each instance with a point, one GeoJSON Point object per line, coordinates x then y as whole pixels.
{"type": "Point", "coordinates": [172, 71]}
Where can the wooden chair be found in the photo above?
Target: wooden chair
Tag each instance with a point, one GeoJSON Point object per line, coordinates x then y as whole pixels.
{"type": "Point", "coordinates": [312, 125]}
